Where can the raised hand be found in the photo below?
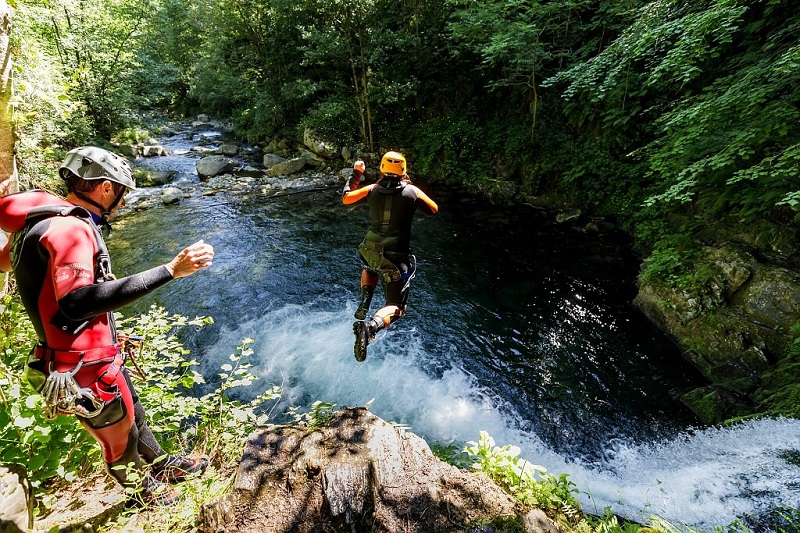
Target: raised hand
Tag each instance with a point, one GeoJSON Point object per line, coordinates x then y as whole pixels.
{"type": "Point", "coordinates": [196, 257]}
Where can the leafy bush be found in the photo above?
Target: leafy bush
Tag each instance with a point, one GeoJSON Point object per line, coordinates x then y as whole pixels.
{"type": "Point", "coordinates": [61, 448]}
{"type": "Point", "coordinates": [48, 449]}
{"type": "Point", "coordinates": [319, 415]}
{"type": "Point", "coordinates": [213, 422]}
{"type": "Point", "coordinates": [529, 483]}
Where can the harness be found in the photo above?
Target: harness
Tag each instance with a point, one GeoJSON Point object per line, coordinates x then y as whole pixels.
{"type": "Point", "coordinates": [59, 388]}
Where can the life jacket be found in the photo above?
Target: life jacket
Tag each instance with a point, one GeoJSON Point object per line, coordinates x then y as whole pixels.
{"type": "Point", "coordinates": [19, 214]}
{"type": "Point", "coordinates": [37, 214]}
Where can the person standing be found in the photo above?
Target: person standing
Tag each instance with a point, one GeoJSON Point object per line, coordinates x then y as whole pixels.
{"type": "Point", "coordinates": [63, 275]}
{"type": "Point", "coordinates": [386, 249]}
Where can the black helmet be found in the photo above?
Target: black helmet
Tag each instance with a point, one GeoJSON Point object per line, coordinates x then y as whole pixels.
{"type": "Point", "coordinates": [93, 163]}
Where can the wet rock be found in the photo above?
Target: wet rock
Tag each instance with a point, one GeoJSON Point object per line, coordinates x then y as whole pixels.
{"type": "Point", "coordinates": [229, 149]}
{"type": "Point", "coordinates": [153, 151]}
{"type": "Point", "coordinates": [712, 404]}
{"type": "Point", "coordinates": [205, 150]}
{"type": "Point", "coordinates": [213, 165]}
{"type": "Point", "coordinates": [155, 177]}
{"type": "Point", "coordinates": [733, 325]}
{"type": "Point", "coordinates": [171, 195]}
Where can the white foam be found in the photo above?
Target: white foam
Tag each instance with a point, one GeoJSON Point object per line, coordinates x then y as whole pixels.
{"type": "Point", "coordinates": [701, 479]}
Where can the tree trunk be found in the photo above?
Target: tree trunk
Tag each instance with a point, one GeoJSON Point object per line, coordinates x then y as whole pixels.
{"type": "Point", "coordinates": [7, 138]}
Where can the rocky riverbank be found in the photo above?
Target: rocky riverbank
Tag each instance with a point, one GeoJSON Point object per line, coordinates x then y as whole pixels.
{"type": "Point", "coordinates": [357, 473]}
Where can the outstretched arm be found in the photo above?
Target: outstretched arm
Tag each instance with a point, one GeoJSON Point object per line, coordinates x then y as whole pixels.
{"type": "Point", "coordinates": [425, 203]}
{"type": "Point", "coordinates": [91, 300]}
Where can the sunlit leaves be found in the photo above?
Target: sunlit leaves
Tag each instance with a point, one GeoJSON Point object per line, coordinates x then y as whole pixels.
{"type": "Point", "coordinates": [177, 410]}
{"type": "Point", "coordinates": [26, 436]}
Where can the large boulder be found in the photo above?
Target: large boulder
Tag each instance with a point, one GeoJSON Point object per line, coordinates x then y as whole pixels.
{"type": "Point", "coordinates": [154, 177]}
{"type": "Point", "coordinates": [270, 160]}
{"type": "Point", "coordinates": [358, 473]}
{"type": "Point", "coordinates": [320, 147]}
{"type": "Point", "coordinates": [733, 327]}
{"type": "Point", "coordinates": [291, 166]}
{"type": "Point", "coordinates": [213, 165]}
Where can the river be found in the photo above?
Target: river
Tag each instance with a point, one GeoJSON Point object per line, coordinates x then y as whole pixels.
{"type": "Point", "coordinates": [516, 325]}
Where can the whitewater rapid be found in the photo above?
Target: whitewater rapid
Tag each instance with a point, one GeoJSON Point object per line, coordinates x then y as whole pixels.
{"type": "Point", "coordinates": [703, 478]}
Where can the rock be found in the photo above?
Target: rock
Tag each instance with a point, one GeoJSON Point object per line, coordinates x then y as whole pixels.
{"type": "Point", "coordinates": [312, 159]}
{"type": "Point", "coordinates": [538, 522]}
{"type": "Point", "coordinates": [16, 499]}
{"type": "Point", "coordinates": [87, 505]}
{"type": "Point", "coordinates": [205, 150]}
{"type": "Point", "coordinates": [568, 215]}
{"type": "Point", "coordinates": [270, 160]}
{"type": "Point", "coordinates": [129, 150]}
{"type": "Point", "coordinates": [292, 166]}
{"type": "Point", "coordinates": [171, 195]}
{"type": "Point", "coordinates": [213, 165]}
{"type": "Point", "coordinates": [712, 404]}
{"type": "Point", "coordinates": [317, 145]}
{"type": "Point", "coordinates": [156, 177]}
{"type": "Point", "coordinates": [151, 151]}
{"type": "Point", "coordinates": [229, 149]}
{"type": "Point", "coordinates": [359, 473]}
{"type": "Point", "coordinates": [772, 297]}
{"type": "Point", "coordinates": [501, 192]}
{"type": "Point", "coordinates": [733, 325]}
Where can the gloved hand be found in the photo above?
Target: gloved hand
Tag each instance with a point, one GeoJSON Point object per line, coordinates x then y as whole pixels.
{"type": "Point", "coordinates": [358, 173]}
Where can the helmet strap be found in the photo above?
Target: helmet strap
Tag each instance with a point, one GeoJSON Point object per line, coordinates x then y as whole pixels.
{"type": "Point", "coordinates": [103, 223]}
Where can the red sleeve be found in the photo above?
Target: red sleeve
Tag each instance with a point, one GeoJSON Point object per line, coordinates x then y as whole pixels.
{"type": "Point", "coordinates": [357, 195]}
{"type": "Point", "coordinates": [72, 247]}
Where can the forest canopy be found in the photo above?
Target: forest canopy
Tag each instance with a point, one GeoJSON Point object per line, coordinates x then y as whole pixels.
{"type": "Point", "coordinates": [667, 115]}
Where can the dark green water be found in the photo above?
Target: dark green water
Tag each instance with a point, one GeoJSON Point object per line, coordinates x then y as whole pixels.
{"type": "Point", "coordinates": [516, 326]}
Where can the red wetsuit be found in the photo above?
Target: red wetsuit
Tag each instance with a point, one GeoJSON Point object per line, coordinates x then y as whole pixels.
{"type": "Point", "coordinates": [57, 273]}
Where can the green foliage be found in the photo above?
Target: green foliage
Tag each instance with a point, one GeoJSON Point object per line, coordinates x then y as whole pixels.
{"type": "Point", "coordinates": [451, 454]}
{"type": "Point", "coordinates": [48, 449]}
{"type": "Point", "coordinates": [779, 390]}
{"type": "Point", "coordinates": [529, 483]}
{"type": "Point", "coordinates": [673, 263]}
{"type": "Point", "coordinates": [131, 135]}
{"type": "Point", "coordinates": [318, 416]}
{"type": "Point", "coordinates": [610, 523]}
{"type": "Point", "coordinates": [215, 421]}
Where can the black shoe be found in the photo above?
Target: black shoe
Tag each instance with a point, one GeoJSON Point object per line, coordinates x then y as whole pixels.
{"type": "Point", "coordinates": [361, 330]}
{"type": "Point", "coordinates": [177, 469]}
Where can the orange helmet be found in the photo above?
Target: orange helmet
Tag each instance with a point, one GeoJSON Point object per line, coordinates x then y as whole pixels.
{"type": "Point", "coordinates": [393, 163]}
